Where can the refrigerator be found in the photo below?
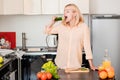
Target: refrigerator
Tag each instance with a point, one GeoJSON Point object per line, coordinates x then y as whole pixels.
{"type": "Point", "coordinates": [105, 34]}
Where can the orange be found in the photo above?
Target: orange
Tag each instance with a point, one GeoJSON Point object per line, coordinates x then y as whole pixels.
{"type": "Point", "coordinates": [109, 69]}
{"type": "Point", "coordinates": [103, 74]}
{"type": "Point", "coordinates": [111, 74]}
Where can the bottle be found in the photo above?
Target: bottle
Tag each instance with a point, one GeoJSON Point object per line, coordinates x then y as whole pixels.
{"type": "Point", "coordinates": [106, 61]}
{"type": "Point", "coordinates": [58, 18]}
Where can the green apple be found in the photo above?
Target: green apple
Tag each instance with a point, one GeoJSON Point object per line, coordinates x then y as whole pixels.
{"type": "Point", "coordinates": [1, 59]}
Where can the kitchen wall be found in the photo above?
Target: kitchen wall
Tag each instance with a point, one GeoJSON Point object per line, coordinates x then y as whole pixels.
{"type": "Point", "coordinates": [32, 25]}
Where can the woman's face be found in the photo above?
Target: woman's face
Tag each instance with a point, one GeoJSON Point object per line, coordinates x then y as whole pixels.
{"type": "Point", "coordinates": [69, 13]}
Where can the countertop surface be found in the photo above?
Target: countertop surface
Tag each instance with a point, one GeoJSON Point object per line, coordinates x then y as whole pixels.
{"type": "Point", "coordinates": [40, 53]}
{"type": "Point", "coordinates": [92, 75]}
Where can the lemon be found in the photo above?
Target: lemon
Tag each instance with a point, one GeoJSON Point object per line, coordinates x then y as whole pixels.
{"type": "Point", "coordinates": [1, 65]}
{"type": "Point", "coordinates": [1, 59]}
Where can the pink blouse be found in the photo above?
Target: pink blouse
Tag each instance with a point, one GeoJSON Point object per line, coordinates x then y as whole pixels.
{"type": "Point", "coordinates": [70, 45]}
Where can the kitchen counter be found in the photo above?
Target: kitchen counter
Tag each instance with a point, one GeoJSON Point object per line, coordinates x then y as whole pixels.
{"type": "Point", "coordinates": [40, 52]}
{"type": "Point", "coordinates": [92, 75]}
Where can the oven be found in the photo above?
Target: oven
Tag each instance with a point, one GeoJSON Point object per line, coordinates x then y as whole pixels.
{"type": "Point", "coordinates": [9, 71]}
{"type": "Point", "coordinates": [31, 64]}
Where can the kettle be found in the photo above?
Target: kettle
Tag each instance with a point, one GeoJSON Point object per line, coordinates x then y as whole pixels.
{"type": "Point", "coordinates": [51, 40]}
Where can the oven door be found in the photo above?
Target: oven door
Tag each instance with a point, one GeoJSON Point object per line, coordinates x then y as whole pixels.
{"type": "Point", "coordinates": [31, 64]}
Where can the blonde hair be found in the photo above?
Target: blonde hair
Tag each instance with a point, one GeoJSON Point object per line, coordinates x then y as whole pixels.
{"type": "Point", "coordinates": [79, 16]}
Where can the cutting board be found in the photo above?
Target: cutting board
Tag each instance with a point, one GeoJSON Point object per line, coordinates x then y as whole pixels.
{"type": "Point", "coordinates": [82, 69]}
{"type": "Point", "coordinates": [10, 36]}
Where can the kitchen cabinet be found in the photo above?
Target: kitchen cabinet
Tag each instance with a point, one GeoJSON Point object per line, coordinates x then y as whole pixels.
{"type": "Point", "coordinates": [32, 7]}
{"type": "Point", "coordinates": [11, 7]}
{"type": "Point", "coordinates": [104, 7]}
{"type": "Point", "coordinates": [41, 7]}
{"type": "Point", "coordinates": [50, 7]}
{"type": "Point", "coordinates": [82, 4]}
{"type": "Point", "coordinates": [1, 6]}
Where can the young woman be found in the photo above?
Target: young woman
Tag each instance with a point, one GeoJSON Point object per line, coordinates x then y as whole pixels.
{"type": "Point", "coordinates": [73, 36]}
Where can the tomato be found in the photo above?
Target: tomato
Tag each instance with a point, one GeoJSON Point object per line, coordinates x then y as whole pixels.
{"type": "Point", "coordinates": [49, 75]}
{"type": "Point", "coordinates": [44, 76]}
{"type": "Point", "coordinates": [39, 74]}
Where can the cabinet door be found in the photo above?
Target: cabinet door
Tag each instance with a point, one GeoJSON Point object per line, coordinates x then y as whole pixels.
{"type": "Point", "coordinates": [12, 6]}
{"type": "Point", "coordinates": [104, 7]}
{"type": "Point", "coordinates": [82, 4]}
{"type": "Point", "coordinates": [1, 7]}
{"type": "Point", "coordinates": [32, 7]}
{"type": "Point", "coordinates": [50, 6]}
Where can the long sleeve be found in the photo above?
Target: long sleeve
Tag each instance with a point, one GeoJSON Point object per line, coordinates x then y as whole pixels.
{"type": "Point", "coordinates": [52, 30]}
{"type": "Point", "coordinates": [87, 45]}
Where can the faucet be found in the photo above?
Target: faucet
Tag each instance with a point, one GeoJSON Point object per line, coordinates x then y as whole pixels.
{"type": "Point", "coordinates": [24, 41]}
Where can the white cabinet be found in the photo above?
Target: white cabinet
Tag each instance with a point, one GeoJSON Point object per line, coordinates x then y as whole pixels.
{"type": "Point", "coordinates": [32, 7]}
{"type": "Point", "coordinates": [12, 6]}
{"type": "Point", "coordinates": [104, 6]}
{"type": "Point", "coordinates": [82, 4]}
{"type": "Point", "coordinates": [50, 7]}
{"type": "Point", "coordinates": [1, 7]}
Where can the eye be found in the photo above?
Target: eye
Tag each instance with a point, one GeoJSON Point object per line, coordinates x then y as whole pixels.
{"type": "Point", "coordinates": [73, 11]}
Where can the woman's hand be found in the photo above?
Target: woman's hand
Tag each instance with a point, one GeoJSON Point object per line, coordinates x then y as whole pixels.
{"type": "Point", "coordinates": [93, 68]}
{"type": "Point", "coordinates": [53, 19]}
{"type": "Point", "coordinates": [91, 65]}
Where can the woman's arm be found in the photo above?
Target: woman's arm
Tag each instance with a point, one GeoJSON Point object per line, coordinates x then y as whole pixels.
{"type": "Point", "coordinates": [87, 47]}
{"type": "Point", "coordinates": [50, 26]}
